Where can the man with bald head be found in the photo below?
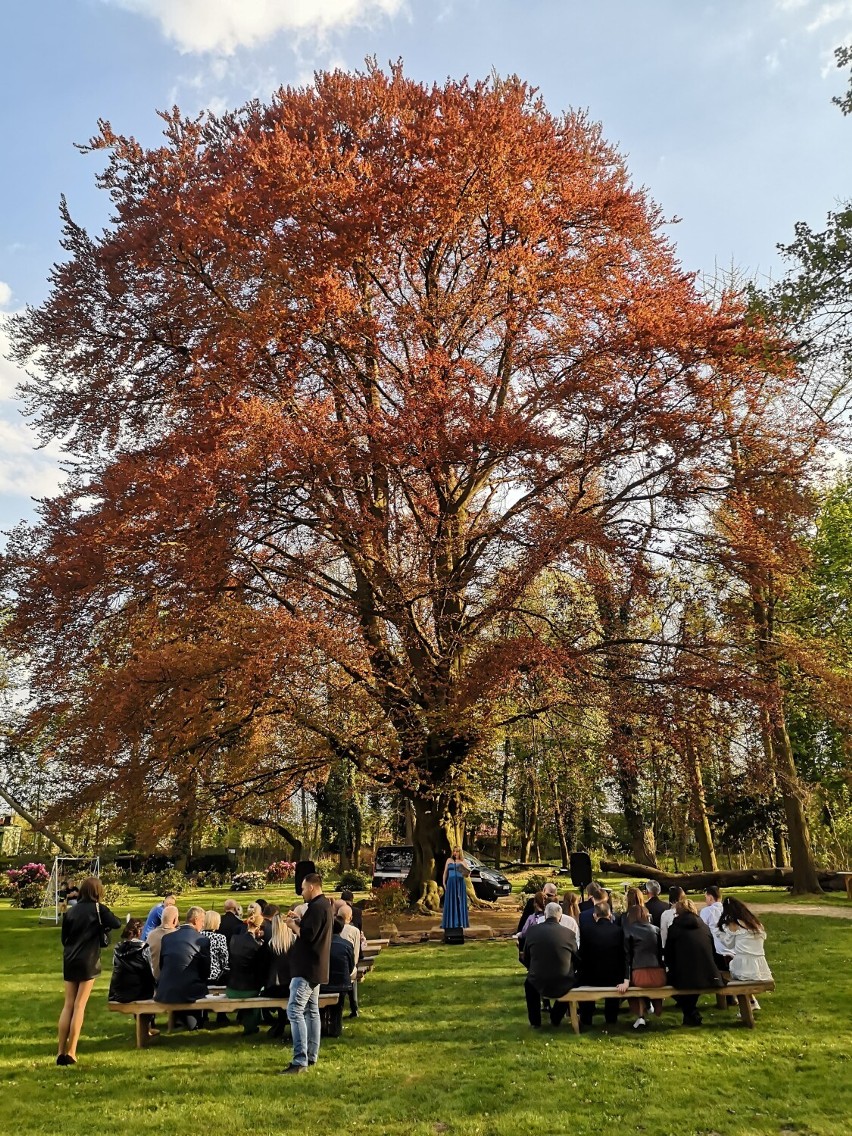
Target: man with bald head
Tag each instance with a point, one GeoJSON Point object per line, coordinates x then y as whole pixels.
{"type": "Point", "coordinates": [169, 923]}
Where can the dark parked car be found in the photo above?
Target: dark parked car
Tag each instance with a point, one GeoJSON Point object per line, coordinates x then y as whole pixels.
{"type": "Point", "coordinates": [393, 862]}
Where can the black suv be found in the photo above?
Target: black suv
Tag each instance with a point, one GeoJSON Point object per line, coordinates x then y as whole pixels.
{"type": "Point", "coordinates": [393, 862]}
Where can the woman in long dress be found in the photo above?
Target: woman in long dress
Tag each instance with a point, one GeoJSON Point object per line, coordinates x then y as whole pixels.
{"type": "Point", "coordinates": [455, 891]}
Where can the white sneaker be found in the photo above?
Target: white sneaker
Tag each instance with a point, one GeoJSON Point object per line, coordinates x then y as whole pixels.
{"type": "Point", "coordinates": [639, 1024]}
{"type": "Point", "coordinates": [755, 1005]}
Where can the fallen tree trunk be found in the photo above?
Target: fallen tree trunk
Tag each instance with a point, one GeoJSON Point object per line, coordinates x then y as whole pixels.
{"type": "Point", "coordinates": [35, 824]}
{"type": "Point", "coordinates": [696, 881]}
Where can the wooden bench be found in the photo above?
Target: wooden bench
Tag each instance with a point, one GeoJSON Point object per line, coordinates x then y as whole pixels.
{"type": "Point", "coordinates": [217, 1003]}
{"type": "Point", "coordinates": [742, 991]}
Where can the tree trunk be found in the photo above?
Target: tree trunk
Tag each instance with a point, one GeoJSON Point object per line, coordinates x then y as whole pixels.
{"type": "Point", "coordinates": [642, 840]}
{"type": "Point", "coordinates": [35, 824]}
{"type": "Point", "coordinates": [697, 881]}
{"type": "Point", "coordinates": [698, 809]}
{"type": "Point", "coordinates": [274, 826]}
{"type": "Point", "coordinates": [805, 876]}
{"type": "Point", "coordinates": [438, 826]}
{"type": "Point", "coordinates": [504, 796]}
{"type": "Point", "coordinates": [776, 743]}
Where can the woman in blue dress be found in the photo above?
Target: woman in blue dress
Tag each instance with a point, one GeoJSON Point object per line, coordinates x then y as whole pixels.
{"type": "Point", "coordinates": [455, 891]}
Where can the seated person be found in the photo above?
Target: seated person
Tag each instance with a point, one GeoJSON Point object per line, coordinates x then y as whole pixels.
{"type": "Point", "coordinates": [248, 960]}
{"type": "Point", "coordinates": [170, 922]}
{"type": "Point", "coordinates": [218, 947]}
{"type": "Point", "coordinates": [676, 894]}
{"type": "Point", "coordinates": [232, 919]}
{"type": "Point", "coordinates": [601, 961]}
{"type": "Point", "coordinates": [155, 915]}
{"type": "Point", "coordinates": [742, 935]}
{"type": "Point", "coordinates": [185, 964]}
{"type": "Point", "coordinates": [277, 981]}
{"type": "Point", "coordinates": [594, 894]}
{"type": "Point", "coordinates": [536, 916]}
{"type": "Point", "coordinates": [550, 956]}
{"type": "Point", "coordinates": [351, 932]}
{"type": "Point", "coordinates": [132, 973]}
{"type": "Point", "coordinates": [348, 897]}
{"type": "Point", "coordinates": [690, 958]}
{"type": "Point", "coordinates": [340, 967]}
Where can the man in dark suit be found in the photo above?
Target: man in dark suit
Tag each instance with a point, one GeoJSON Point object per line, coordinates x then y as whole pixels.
{"type": "Point", "coordinates": [602, 961]}
{"type": "Point", "coordinates": [655, 905]}
{"type": "Point", "coordinates": [596, 894]}
{"type": "Point", "coordinates": [185, 964]}
{"type": "Point", "coordinates": [309, 966]}
{"type": "Point", "coordinates": [232, 923]}
{"type": "Point", "coordinates": [550, 956]}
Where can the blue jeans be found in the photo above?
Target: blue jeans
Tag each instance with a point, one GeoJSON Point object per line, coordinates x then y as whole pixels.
{"type": "Point", "coordinates": [304, 1015]}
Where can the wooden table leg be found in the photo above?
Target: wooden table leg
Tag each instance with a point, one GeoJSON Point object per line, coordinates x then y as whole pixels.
{"type": "Point", "coordinates": [141, 1031]}
{"type": "Point", "coordinates": [575, 1017]}
{"type": "Point", "coordinates": [746, 1012]}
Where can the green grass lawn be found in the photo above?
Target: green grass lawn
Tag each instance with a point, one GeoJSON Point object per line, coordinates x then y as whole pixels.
{"type": "Point", "coordinates": [443, 1046]}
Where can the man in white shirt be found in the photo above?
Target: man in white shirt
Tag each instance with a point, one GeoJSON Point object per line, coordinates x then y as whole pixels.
{"type": "Point", "coordinates": [710, 913]}
{"type": "Point", "coordinates": [676, 894]}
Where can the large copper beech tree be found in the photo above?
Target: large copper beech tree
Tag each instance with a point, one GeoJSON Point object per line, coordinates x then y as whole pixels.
{"type": "Point", "coordinates": [343, 377]}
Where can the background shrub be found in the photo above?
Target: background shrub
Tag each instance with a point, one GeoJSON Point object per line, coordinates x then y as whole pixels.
{"type": "Point", "coordinates": [327, 867]}
{"type": "Point", "coordinates": [163, 882]}
{"type": "Point", "coordinates": [249, 881]}
{"type": "Point", "coordinates": [356, 881]}
{"type": "Point", "coordinates": [390, 899]}
{"type": "Point", "coordinates": [116, 895]}
{"type": "Point", "coordinates": [536, 882]}
{"type": "Point", "coordinates": [280, 871]}
{"type": "Point", "coordinates": [28, 895]}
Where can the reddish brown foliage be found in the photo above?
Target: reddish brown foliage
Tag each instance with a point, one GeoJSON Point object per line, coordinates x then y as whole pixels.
{"type": "Point", "coordinates": [346, 374]}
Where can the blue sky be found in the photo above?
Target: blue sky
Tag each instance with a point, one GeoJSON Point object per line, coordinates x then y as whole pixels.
{"type": "Point", "coordinates": [722, 109]}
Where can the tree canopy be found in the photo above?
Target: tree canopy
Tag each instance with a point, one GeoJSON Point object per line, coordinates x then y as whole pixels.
{"type": "Point", "coordinates": [347, 375]}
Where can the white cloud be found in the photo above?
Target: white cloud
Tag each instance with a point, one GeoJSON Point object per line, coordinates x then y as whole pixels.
{"type": "Point", "coordinates": [830, 14]}
{"type": "Point", "coordinates": [222, 26]}
{"type": "Point", "coordinates": [25, 470]}
{"type": "Point", "coordinates": [5, 293]}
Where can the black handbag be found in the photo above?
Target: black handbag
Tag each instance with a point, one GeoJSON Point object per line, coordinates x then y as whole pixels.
{"type": "Point", "coordinates": [104, 935]}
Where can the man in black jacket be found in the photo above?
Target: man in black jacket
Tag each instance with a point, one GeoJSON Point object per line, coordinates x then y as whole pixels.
{"type": "Point", "coordinates": [232, 923]}
{"type": "Point", "coordinates": [655, 905]}
{"type": "Point", "coordinates": [309, 964]}
{"type": "Point", "coordinates": [550, 955]}
{"type": "Point", "coordinates": [185, 964]}
{"type": "Point", "coordinates": [602, 961]}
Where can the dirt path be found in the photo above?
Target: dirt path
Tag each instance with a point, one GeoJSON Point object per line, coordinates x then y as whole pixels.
{"type": "Point", "coordinates": [801, 909]}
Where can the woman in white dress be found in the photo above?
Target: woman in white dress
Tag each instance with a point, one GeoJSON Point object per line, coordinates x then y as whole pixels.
{"type": "Point", "coordinates": [743, 937]}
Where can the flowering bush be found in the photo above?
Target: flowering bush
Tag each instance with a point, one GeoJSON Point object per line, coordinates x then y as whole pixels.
{"type": "Point", "coordinates": [28, 895]}
{"type": "Point", "coordinates": [280, 871]}
{"type": "Point", "coordinates": [390, 898]}
{"type": "Point", "coordinates": [210, 878]}
{"type": "Point", "coordinates": [29, 874]}
{"type": "Point", "coordinates": [249, 881]}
